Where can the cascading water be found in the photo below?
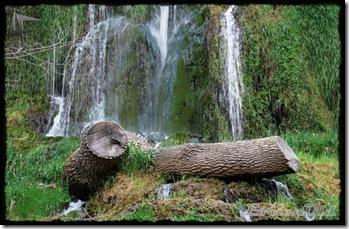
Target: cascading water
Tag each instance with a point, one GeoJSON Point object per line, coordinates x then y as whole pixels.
{"type": "Point", "coordinates": [94, 43]}
{"type": "Point", "coordinates": [158, 28]}
{"type": "Point", "coordinates": [168, 38]}
{"type": "Point", "coordinates": [160, 32]}
{"type": "Point", "coordinates": [104, 81]}
{"type": "Point", "coordinates": [232, 89]}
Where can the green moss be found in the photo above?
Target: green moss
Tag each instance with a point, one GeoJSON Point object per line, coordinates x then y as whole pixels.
{"type": "Point", "coordinates": [202, 15]}
{"type": "Point", "coordinates": [216, 126]}
{"type": "Point", "coordinates": [197, 217]}
{"type": "Point", "coordinates": [281, 79]}
{"type": "Point", "coordinates": [183, 101]}
{"type": "Point", "coordinates": [195, 105]}
{"type": "Point", "coordinates": [144, 212]}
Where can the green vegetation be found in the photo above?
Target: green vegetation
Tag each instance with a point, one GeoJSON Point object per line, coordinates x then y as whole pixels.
{"type": "Point", "coordinates": [315, 144]}
{"type": "Point", "coordinates": [137, 159]}
{"type": "Point", "coordinates": [291, 84]}
{"type": "Point", "coordinates": [175, 139]}
{"type": "Point", "coordinates": [27, 74]}
{"type": "Point", "coordinates": [139, 13]}
{"type": "Point", "coordinates": [34, 189]}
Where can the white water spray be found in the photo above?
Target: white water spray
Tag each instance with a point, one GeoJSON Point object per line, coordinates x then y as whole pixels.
{"type": "Point", "coordinates": [94, 43]}
{"type": "Point", "coordinates": [232, 89]}
{"type": "Point", "coordinates": [56, 129]}
{"type": "Point", "coordinates": [164, 191]}
{"type": "Point", "coordinates": [99, 81]}
{"type": "Point", "coordinates": [161, 33]}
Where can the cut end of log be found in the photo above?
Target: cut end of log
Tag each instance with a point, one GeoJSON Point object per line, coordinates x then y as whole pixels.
{"type": "Point", "coordinates": [293, 161]}
{"type": "Point", "coordinates": [106, 139]}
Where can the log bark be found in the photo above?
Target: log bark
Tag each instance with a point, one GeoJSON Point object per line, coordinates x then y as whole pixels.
{"type": "Point", "coordinates": [250, 158]}
{"type": "Point", "coordinates": [101, 152]}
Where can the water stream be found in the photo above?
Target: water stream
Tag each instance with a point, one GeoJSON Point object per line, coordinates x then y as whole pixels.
{"type": "Point", "coordinates": [232, 88]}
{"type": "Point", "coordinates": [164, 191]}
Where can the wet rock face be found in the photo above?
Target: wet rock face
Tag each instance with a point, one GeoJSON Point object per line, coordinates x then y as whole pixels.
{"type": "Point", "coordinates": [195, 138]}
{"type": "Point", "coordinates": [155, 137]}
{"type": "Point", "coordinates": [38, 121]}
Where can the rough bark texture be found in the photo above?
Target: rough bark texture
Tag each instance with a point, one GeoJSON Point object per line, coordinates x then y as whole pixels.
{"type": "Point", "coordinates": [258, 157]}
{"type": "Point", "coordinates": [101, 151]}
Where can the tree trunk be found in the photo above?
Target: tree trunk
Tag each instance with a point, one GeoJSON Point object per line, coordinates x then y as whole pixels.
{"type": "Point", "coordinates": [101, 151]}
{"type": "Point", "coordinates": [258, 157]}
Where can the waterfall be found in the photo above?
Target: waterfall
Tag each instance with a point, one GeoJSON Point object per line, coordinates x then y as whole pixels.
{"type": "Point", "coordinates": [56, 129]}
{"type": "Point", "coordinates": [161, 33]}
{"type": "Point", "coordinates": [91, 15]}
{"type": "Point", "coordinates": [168, 42]}
{"type": "Point", "coordinates": [232, 88]}
{"type": "Point", "coordinates": [158, 28]}
{"type": "Point", "coordinates": [122, 71]}
{"type": "Point", "coordinates": [93, 44]}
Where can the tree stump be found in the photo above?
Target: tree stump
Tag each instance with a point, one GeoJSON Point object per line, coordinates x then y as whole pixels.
{"type": "Point", "coordinates": [101, 151]}
{"type": "Point", "coordinates": [242, 159]}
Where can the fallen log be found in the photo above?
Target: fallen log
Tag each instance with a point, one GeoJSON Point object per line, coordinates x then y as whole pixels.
{"type": "Point", "coordinates": [101, 151]}
{"type": "Point", "coordinates": [104, 146]}
{"type": "Point", "coordinates": [242, 159]}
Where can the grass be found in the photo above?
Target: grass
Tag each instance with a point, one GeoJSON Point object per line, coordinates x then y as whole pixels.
{"type": "Point", "coordinates": [34, 167]}
{"type": "Point", "coordinates": [175, 139]}
{"type": "Point", "coordinates": [34, 188]}
{"type": "Point", "coordinates": [29, 201]}
{"type": "Point", "coordinates": [316, 144]}
{"type": "Point", "coordinates": [129, 190]}
{"type": "Point", "coordinates": [137, 159]}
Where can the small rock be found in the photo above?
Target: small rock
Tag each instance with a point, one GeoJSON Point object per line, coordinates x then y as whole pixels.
{"type": "Point", "coordinates": [42, 185]}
